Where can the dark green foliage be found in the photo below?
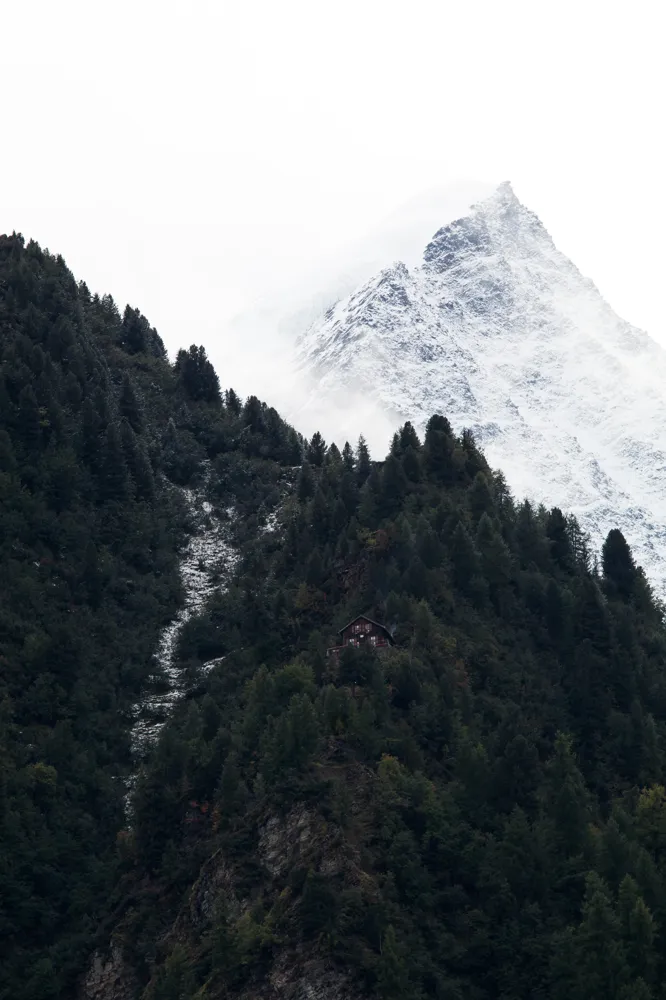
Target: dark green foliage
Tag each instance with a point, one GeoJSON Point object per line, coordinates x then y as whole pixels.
{"type": "Point", "coordinates": [497, 752]}
{"type": "Point", "coordinates": [316, 450]}
{"type": "Point", "coordinates": [362, 460]}
{"type": "Point", "coordinates": [558, 536]}
{"type": "Point", "coordinates": [618, 565]}
{"type": "Point", "coordinates": [136, 335]}
{"type": "Point", "coordinates": [306, 484]}
{"type": "Point", "coordinates": [92, 418]}
{"type": "Point", "coordinates": [198, 375]}
{"type": "Point", "coordinates": [79, 616]}
{"type": "Point", "coordinates": [114, 475]}
{"type": "Point", "coordinates": [128, 404]}
{"type": "Point", "coordinates": [464, 559]}
{"type": "Point", "coordinates": [478, 811]}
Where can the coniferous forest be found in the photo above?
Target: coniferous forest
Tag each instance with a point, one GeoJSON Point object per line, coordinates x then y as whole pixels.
{"type": "Point", "coordinates": [477, 813]}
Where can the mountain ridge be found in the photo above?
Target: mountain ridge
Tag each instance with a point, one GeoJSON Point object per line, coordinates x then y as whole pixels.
{"type": "Point", "coordinates": [499, 330]}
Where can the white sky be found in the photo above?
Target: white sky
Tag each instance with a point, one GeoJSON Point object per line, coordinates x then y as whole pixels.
{"type": "Point", "coordinates": [189, 157]}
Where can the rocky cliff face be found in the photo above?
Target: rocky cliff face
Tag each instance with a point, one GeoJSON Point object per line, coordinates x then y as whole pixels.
{"type": "Point", "coordinates": [109, 977]}
{"type": "Point", "coordinates": [298, 840]}
{"type": "Point", "coordinates": [499, 331]}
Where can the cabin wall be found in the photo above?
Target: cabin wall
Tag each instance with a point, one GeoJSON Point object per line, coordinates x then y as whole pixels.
{"type": "Point", "coordinates": [362, 632]}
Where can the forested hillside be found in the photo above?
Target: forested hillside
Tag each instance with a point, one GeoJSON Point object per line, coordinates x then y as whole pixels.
{"type": "Point", "coordinates": [478, 812]}
{"type": "Point", "coordinates": [97, 430]}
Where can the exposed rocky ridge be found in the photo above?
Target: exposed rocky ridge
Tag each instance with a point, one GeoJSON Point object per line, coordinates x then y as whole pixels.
{"type": "Point", "coordinates": [499, 331]}
{"type": "Point", "coordinates": [301, 839]}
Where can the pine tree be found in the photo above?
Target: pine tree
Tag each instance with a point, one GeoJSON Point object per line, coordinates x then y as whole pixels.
{"type": "Point", "coordinates": [128, 405]}
{"type": "Point", "coordinates": [495, 556]}
{"type": "Point", "coordinates": [293, 452]}
{"type": "Point", "coordinates": [638, 930]}
{"type": "Point", "coordinates": [618, 565]}
{"type": "Point", "coordinates": [438, 449]}
{"type": "Point", "coordinates": [409, 438]}
{"type": "Point", "coordinates": [348, 459]}
{"type": "Point", "coordinates": [474, 460]}
{"type": "Point", "coordinates": [392, 977]}
{"type": "Point", "coordinates": [316, 450]}
{"type": "Point", "coordinates": [558, 621]}
{"type": "Point", "coordinates": [7, 457]}
{"type": "Point", "coordinates": [232, 402]}
{"type": "Point", "coordinates": [306, 484]}
{"type": "Point", "coordinates": [114, 478]}
{"type": "Point", "coordinates": [558, 535]}
{"type": "Point", "coordinates": [480, 498]}
{"type": "Point", "coordinates": [253, 415]}
{"type": "Point", "coordinates": [142, 474]}
{"type": "Point", "coordinates": [531, 541]}
{"type": "Point", "coordinates": [566, 797]}
{"type": "Point", "coordinates": [464, 559]}
{"type": "Point", "coordinates": [137, 462]}
{"type": "Point", "coordinates": [314, 573]}
{"type": "Point", "coordinates": [579, 543]}
{"type": "Point", "coordinates": [363, 464]}
{"type": "Point", "coordinates": [504, 503]}
{"type": "Point", "coordinates": [90, 436]}
{"type": "Point", "coordinates": [320, 516]}
{"type": "Point", "coordinates": [393, 484]}
{"type": "Point", "coordinates": [92, 575]}
{"type": "Point", "coordinates": [602, 970]}
{"type": "Point", "coordinates": [370, 498]}
{"type": "Point", "coordinates": [198, 376]}
{"type": "Point", "coordinates": [29, 419]}
{"type": "Point", "coordinates": [135, 333]}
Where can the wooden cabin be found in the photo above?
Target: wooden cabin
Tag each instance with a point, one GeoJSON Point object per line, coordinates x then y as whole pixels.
{"type": "Point", "coordinates": [362, 631]}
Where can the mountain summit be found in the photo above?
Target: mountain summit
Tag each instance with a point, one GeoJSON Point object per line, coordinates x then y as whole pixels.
{"type": "Point", "coordinates": [500, 332]}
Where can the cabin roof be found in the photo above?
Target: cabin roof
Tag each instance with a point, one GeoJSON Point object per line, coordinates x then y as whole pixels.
{"type": "Point", "coordinates": [366, 618]}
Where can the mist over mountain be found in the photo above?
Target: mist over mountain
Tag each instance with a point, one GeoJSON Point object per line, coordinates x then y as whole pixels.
{"type": "Point", "coordinates": [499, 330]}
{"type": "Point", "coordinates": [273, 321]}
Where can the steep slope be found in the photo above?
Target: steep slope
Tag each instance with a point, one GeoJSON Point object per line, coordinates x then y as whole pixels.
{"type": "Point", "coordinates": [110, 456]}
{"type": "Point", "coordinates": [501, 332]}
{"type": "Point", "coordinates": [474, 812]}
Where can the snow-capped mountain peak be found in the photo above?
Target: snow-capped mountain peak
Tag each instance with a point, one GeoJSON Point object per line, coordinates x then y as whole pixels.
{"type": "Point", "coordinates": [500, 331]}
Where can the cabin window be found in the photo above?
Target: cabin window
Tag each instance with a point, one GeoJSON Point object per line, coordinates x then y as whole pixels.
{"type": "Point", "coordinates": [373, 640]}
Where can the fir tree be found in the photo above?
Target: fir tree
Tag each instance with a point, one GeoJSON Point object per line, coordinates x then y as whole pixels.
{"type": "Point", "coordinates": [114, 479]}
{"type": "Point", "coordinates": [464, 559]}
{"type": "Point", "coordinates": [480, 498]}
{"type": "Point", "coordinates": [198, 375]}
{"type": "Point", "coordinates": [128, 405]}
{"type": "Point", "coordinates": [29, 419]}
{"type": "Point", "coordinates": [618, 565]}
{"type": "Point", "coordinates": [348, 459]}
{"type": "Point", "coordinates": [363, 464]}
{"type": "Point", "coordinates": [316, 450]}
{"type": "Point", "coordinates": [306, 484]}
{"type": "Point", "coordinates": [438, 449]}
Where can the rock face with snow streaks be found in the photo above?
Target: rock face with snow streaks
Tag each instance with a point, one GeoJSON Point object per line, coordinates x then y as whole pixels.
{"type": "Point", "coordinates": [499, 331]}
{"type": "Point", "coordinates": [205, 567]}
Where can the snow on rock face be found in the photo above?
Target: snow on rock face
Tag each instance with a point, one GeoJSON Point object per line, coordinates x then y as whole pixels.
{"type": "Point", "coordinates": [500, 332]}
{"type": "Point", "coordinates": [206, 564]}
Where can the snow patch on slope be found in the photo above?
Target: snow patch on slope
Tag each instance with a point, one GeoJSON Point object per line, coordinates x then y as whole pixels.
{"type": "Point", "coordinates": [206, 566]}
